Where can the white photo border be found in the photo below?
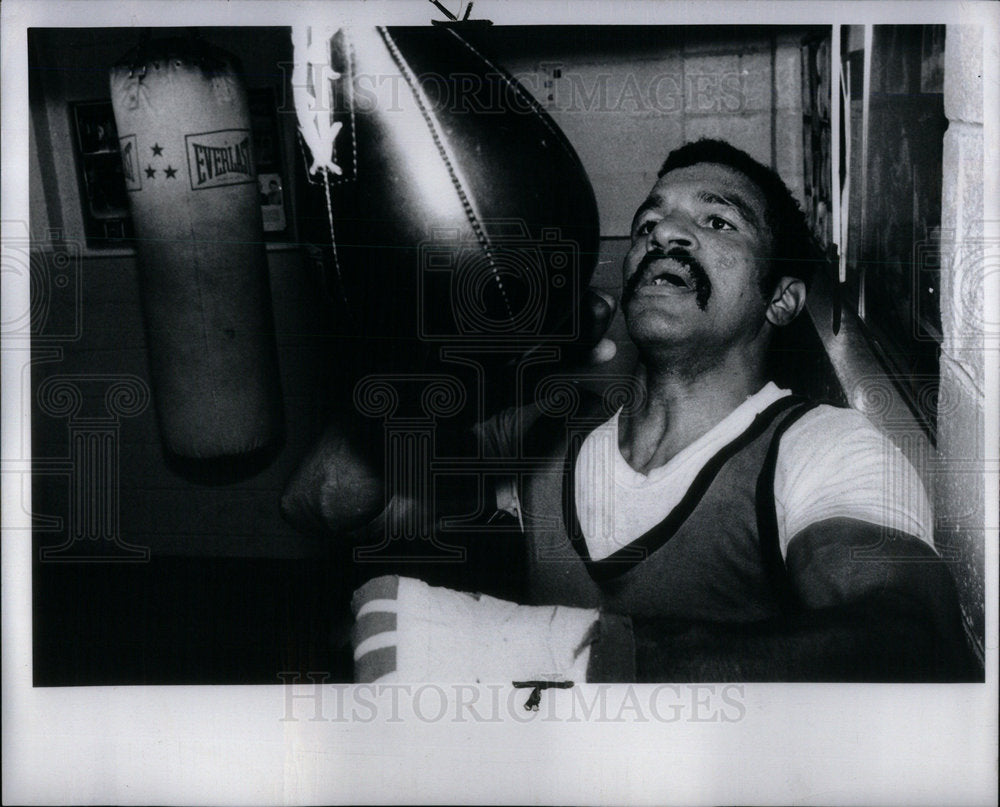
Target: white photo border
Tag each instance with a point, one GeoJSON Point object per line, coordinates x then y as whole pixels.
{"type": "Point", "coordinates": [819, 744]}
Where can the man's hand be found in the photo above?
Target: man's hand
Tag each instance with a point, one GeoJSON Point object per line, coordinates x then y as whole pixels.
{"type": "Point", "coordinates": [407, 631]}
{"type": "Point", "coordinates": [340, 485]}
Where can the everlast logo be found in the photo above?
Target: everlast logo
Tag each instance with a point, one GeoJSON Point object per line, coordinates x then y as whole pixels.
{"type": "Point", "coordinates": [211, 162]}
{"type": "Point", "coordinates": [219, 158]}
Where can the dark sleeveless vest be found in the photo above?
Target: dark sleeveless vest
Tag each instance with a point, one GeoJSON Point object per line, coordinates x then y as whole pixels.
{"type": "Point", "coordinates": [714, 557]}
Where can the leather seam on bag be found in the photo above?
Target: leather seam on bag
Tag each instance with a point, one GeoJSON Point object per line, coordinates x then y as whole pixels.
{"type": "Point", "coordinates": [436, 137]}
{"type": "Point", "coordinates": [515, 86]}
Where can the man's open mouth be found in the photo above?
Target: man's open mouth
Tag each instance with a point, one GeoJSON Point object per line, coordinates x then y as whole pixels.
{"type": "Point", "coordinates": [667, 272]}
{"type": "Point", "coordinates": [673, 274]}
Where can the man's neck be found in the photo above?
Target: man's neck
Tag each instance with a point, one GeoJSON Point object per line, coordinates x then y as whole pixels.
{"type": "Point", "coordinates": [678, 409]}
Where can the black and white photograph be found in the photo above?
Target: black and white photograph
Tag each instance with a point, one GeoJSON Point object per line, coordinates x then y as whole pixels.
{"type": "Point", "coordinates": [488, 402]}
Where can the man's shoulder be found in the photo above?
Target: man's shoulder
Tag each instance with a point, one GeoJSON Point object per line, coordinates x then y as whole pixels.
{"type": "Point", "coordinates": [835, 463]}
{"type": "Point", "coordinates": [827, 427]}
{"type": "Point", "coordinates": [835, 449]}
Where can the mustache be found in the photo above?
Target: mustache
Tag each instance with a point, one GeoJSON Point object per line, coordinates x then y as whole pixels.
{"type": "Point", "coordinates": [699, 277]}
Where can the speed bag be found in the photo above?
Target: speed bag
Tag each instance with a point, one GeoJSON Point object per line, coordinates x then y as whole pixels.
{"type": "Point", "coordinates": [458, 214]}
{"type": "Point", "coordinates": [185, 140]}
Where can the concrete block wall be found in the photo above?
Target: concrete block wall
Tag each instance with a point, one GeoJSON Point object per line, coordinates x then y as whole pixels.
{"type": "Point", "coordinates": [625, 109]}
{"type": "Point", "coordinates": [958, 492]}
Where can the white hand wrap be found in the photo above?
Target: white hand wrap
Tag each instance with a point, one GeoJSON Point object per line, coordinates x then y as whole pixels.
{"type": "Point", "coordinates": [407, 631]}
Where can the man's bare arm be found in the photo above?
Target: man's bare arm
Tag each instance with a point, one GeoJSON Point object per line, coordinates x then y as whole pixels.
{"type": "Point", "coordinates": [874, 606]}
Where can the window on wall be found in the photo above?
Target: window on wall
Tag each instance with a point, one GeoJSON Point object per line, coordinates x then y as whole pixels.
{"type": "Point", "coordinates": [104, 198]}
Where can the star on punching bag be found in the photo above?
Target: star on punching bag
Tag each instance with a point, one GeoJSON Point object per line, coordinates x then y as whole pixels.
{"type": "Point", "coordinates": [182, 113]}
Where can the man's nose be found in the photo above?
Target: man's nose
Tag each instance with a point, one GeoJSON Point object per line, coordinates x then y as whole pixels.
{"type": "Point", "coordinates": [673, 231]}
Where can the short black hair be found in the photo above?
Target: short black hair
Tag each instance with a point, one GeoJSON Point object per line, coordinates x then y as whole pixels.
{"type": "Point", "coordinates": [795, 251]}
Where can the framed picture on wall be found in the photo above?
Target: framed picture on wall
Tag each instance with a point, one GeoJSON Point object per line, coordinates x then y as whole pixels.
{"type": "Point", "coordinates": [272, 173]}
{"type": "Point", "coordinates": [272, 203]}
{"type": "Point", "coordinates": [104, 199]}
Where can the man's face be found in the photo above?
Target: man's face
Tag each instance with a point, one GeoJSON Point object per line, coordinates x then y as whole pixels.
{"type": "Point", "coordinates": [700, 246]}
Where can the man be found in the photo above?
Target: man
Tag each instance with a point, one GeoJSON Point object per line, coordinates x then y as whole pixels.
{"type": "Point", "coordinates": [717, 528]}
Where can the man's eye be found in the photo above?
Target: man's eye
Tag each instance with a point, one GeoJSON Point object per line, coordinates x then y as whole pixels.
{"type": "Point", "coordinates": [645, 228]}
{"type": "Point", "coordinates": [719, 223]}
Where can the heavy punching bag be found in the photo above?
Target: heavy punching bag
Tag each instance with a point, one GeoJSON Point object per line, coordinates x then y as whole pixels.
{"type": "Point", "coordinates": [457, 211]}
{"type": "Point", "coordinates": [184, 134]}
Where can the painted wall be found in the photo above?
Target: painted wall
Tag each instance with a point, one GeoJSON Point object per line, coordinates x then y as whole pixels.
{"type": "Point", "coordinates": [626, 98]}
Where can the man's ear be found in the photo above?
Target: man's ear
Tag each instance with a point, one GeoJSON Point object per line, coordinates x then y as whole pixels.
{"type": "Point", "coordinates": [787, 301]}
